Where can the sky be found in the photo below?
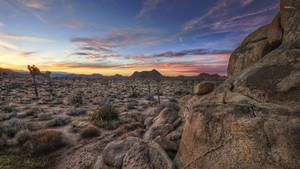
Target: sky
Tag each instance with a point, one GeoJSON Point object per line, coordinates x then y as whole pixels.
{"type": "Point", "coordinates": [176, 37]}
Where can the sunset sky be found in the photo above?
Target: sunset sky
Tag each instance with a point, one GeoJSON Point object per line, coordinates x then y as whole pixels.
{"type": "Point", "coordinates": [176, 37]}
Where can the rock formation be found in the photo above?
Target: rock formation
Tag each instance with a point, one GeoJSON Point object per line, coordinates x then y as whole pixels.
{"type": "Point", "coordinates": [252, 120]}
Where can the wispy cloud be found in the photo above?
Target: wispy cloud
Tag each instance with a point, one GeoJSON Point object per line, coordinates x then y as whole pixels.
{"type": "Point", "coordinates": [208, 20]}
{"type": "Point", "coordinates": [8, 45]}
{"type": "Point", "coordinates": [69, 24]}
{"type": "Point", "coordinates": [246, 2]}
{"type": "Point", "coordinates": [117, 39]}
{"type": "Point", "coordinates": [171, 54]}
{"type": "Point", "coordinates": [35, 4]}
{"type": "Point", "coordinates": [17, 54]}
{"type": "Point", "coordinates": [25, 38]}
{"type": "Point", "coordinates": [148, 5]}
{"type": "Point", "coordinates": [1, 24]}
{"type": "Point", "coordinates": [94, 56]}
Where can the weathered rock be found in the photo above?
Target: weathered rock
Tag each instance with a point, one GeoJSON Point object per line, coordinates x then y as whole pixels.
{"type": "Point", "coordinates": [166, 116]}
{"type": "Point", "coordinates": [275, 32]}
{"type": "Point", "coordinates": [99, 164]}
{"type": "Point", "coordinates": [115, 151]}
{"type": "Point", "coordinates": [252, 49]}
{"type": "Point", "coordinates": [147, 155]}
{"type": "Point", "coordinates": [158, 130]}
{"type": "Point", "coordinates": [166, 144]}
{"type": "Point", "coordinates": [226, 136]}
{"type": "Point", "coordinates": [204, 88]}
{"type": "Point", "coordinates": [252, 120]}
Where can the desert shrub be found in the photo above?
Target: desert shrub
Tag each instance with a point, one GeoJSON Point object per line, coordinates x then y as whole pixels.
{"type": "Point", "coordinates": [20, 159]}
{"type": "Point", "coordinates": [77, 99]}
{"type": "Point", "coordinates": [105, 113]}
{"type": "Point", "coordinates": [77, 112]}
{"type": "Point", "coordinates": [58, 121]}
{"type": "Point", "coordinates": [33, 112]}
{"type": "Point", "coordinates": [45, 116]}
{"type": "Point", "coordinates": [44, 141]}
{"type": "Point", "coordinates": [9, 109]}
{"type": "Point", "coordinates": [3, 141]}
{"type": "Point", "coordinates": [12, 127]}
{"type": "Point", "coordinates": [22, 136]}
{"type": "Point", "coordinates": [131, 105]}
{"type": "Point", "coordinates": [133, 95]}
{"type": "Point", "coordinates": [89, 132]}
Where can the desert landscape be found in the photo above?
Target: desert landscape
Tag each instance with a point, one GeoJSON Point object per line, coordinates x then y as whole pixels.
{"type": "Point", "coordinates": [248, 119]}
{"type": "Point", "coordinates": [68, 123]}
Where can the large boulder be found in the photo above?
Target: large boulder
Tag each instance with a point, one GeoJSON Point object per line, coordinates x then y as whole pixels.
{"type": "Point", "coordinates": [147, 155]}
{"type": "Point", "coordinates": [252, 49]}
{"type": "Point", "coordinates": [133, 153]}
{"type": "Point", "coordinates": [204, 87]}
{"type": "Point", "coordinates": [114, 152]}
{"type": "Point", "coordinates": [252, 120]}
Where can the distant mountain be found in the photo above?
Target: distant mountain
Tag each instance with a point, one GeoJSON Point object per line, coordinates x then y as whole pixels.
{"type": "Point", "coordinates": [147, 75]}
{"type": "Point", "coordinates": [202, 77]}
{"type": "Point", "coordinates": [9, 73]}
{"type": "Point", "coordinates": [92, 76]}
{"type": "Point", "coordinates": [206, 76]}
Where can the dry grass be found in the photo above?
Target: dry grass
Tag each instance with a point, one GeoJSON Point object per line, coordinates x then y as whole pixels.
{"type": "Point", "coordinates": [44, 141]}
{"type": "Point", "coordinates": [89, 132]}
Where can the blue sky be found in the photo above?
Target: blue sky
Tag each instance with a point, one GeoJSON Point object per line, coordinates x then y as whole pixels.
{"type": "Point", "coordinates": [122, 36]}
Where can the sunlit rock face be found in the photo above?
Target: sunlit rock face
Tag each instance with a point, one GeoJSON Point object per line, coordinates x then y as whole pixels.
{"type": "Point", "coordinates": [253, 119]}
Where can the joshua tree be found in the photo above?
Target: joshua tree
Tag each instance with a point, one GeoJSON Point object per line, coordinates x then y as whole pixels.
{"type": "Point", "coordinates": [34, 71]}
{"type": "Point", "coordinates": [158, 89]}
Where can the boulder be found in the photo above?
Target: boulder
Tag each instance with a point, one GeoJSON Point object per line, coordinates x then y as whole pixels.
{"type": "Point", "coordinates": [158, 130]}
{"type": "Point", "coordinates": [147, 155]}
{"type": "Point", "coordinates": [166, 116]}
{"type": "Point", "coordinates": [204, 88]}
{"type": "Point", "coordinates": [252, 49]}
{"type": "Point", "coordinates": [114, 152]}
{"type": "Point", "coordinates": [252, 120]}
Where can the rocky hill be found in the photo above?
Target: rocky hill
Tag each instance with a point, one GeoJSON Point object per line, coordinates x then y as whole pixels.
{"type": "Point", "coordinates": [252, 120]}
{"type": "Point", "coordinates": [154, 74]}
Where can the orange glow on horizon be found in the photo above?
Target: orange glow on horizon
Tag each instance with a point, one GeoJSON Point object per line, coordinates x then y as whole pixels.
{"type": "Point", "coordinates": [164, 68]}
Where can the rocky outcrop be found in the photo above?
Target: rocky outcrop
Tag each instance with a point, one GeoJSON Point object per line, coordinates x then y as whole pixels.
{"type": "Point", "coordinates": [265, 39]}
{"type": "Point", "coordinates": [252, 120]}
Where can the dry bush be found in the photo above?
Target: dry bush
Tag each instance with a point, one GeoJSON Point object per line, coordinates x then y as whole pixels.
{"type": "Point", "coordinates": [89, 132]}
{"type": "Point", "coordinates": [44, 141]}
{"type": "Point", "coordinates": [105, 113]}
